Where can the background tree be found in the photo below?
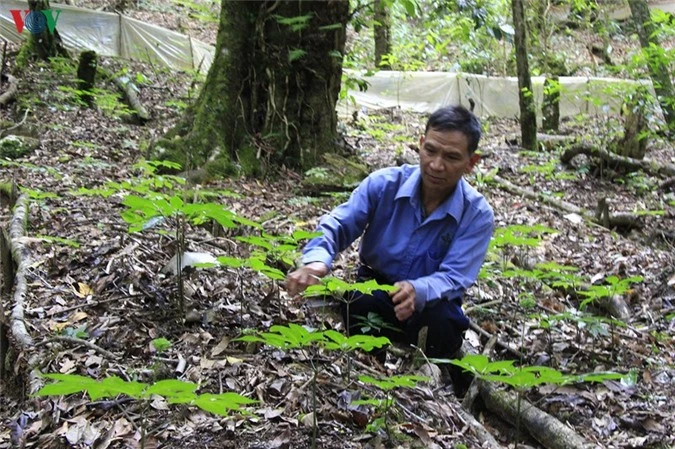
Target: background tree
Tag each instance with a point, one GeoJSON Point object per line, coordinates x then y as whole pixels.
{"type": "Point", "coordinates": [657, 63]}
{"type": "Point", "coordinates": [528, 114]}
{"type": "Point", "coordinates": [45, 43]}
{"type": "Point", "coordinates": [270, 94]}
{"type": "Point", "coordinates": [382, 32]}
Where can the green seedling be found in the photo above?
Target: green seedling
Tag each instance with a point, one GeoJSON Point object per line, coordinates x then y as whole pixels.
{"type": "Point", "coordinates": [174, 391]}
{"type": "Point", "coordinates": [549, 170]}
{"type": "Point", "coordinates": [282, 249]}
{"type": "Point", "coordinates": [80, 332]}
{"type": "Point", "coordinates": [521, 236]}
{"type": "Point", "coordinates": [384, 406]}
{"type": "Point", "coordinates": [482, 179]}
{"type": "Point", "coordinates": [521, 377]}
{"type": "Point", "coordinates": [614, 286]}
{"type": "Point", "coordinates": [347, 292]}
{"type": "Point", "coordinates": [331, 286]}
{"type": "Point", "coordinates": [295, 336]}
{"type": "Point", "coordinates": [374, 323]}
{"type": "Point", "coordinates": [161, 344]}
{"type": "Point", "coordinates": [596, 326]}
{"type": "Point", "coordinates": [38, 194]}
{"type": "Point", "coordinates": [551, 274]}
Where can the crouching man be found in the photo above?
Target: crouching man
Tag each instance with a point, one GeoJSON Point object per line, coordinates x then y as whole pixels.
{"type": "Point", "coordinates": [424, 230]}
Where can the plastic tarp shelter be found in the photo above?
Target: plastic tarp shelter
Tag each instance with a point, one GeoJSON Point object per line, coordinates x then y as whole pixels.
{"type": "Point", "coordinates": [493, 96]}
{"type": "Point", "coordinates": [111, 34]}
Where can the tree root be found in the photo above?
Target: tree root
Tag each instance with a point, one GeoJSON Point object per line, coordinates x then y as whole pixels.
{"type": "Point", "coordinates": [601, 217]}
{"type": "Point", "coordinates": [615, 160]}
{"type": "Point", "coordinates": [21, 341]}
{"type": "Point", "coordinates": [479, 430]}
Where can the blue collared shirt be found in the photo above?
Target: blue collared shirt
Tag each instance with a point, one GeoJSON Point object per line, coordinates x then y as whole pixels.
{"type": "Point", "coordinates": [440, 255]}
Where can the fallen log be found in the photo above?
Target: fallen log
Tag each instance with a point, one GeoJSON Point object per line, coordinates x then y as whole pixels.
{"type": "Point", "coordinates": [16, 231]}
{"type": "Point", "coordinates": [624, 221]}
{"type": "Point", "coordinates": [130, 94]}
{"type": "Point", "coordinates": [544, 428]}
{"type": "Point", "coordinates": [479, 430]}
{"type": "Point", "coordinates": [11, 91]}
{"type": "Point", "coordinates": [614, 160]}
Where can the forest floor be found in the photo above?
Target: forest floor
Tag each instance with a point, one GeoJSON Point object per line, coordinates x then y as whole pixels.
{"type": "Point", "coordinates": [91, 280]}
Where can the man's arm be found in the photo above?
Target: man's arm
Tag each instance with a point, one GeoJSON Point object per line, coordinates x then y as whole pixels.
{"type": "Point", "coordinates": [460, 266]}
{"type": "Point", "coordinates": [338, 230]}
{"type": "Point", "coordinates": [300, 279]}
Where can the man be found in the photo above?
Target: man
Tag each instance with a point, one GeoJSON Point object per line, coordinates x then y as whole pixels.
{"type": "Point", "coordinates": [425, 230]}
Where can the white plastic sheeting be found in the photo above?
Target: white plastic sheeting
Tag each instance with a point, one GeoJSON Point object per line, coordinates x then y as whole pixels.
{"type": "Point", "coordinates": [493, 96]}
{"type": "Point", "coordinates": [111, 34]}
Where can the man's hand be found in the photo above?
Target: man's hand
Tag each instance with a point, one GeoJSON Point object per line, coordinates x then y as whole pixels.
{"type": "Point", "coordinates": [300, 279]}
{"type": "Point", "coordinates": [404, 300]}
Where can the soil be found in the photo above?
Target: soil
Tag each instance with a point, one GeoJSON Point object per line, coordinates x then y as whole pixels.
{"type": "Point", "coordinates": [93, 280]}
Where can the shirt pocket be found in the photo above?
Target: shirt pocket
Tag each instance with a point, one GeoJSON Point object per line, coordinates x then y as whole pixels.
{"type": "Point", "coordinates": [434, 257]}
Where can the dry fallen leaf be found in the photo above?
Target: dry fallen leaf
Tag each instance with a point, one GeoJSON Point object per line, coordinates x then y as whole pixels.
{"type": "Point", "coordinates": [220, 347]}
{"type": "Point", "coordinates": [82, 290]}
{"type": "Point", "coordinates": [281, 440]}
{"type": "Point", "coordinates": [308, 420]}
{"type": "Point", "coordinates": [78, 316]}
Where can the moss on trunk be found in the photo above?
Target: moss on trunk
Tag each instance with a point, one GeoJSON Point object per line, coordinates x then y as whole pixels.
{"type": "Point", "coordinates": [528, 114]}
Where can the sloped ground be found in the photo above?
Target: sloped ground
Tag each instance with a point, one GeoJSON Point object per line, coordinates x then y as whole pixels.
{"type": "Point", "coordinates": [110, 292]}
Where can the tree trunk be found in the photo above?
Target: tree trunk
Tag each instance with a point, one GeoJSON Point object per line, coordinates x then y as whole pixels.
{"type": "Point", "coordinates": [528, 115]}
{"type": "Point", "coordinates": [44, 40]}
{"type": "Point", "coordinates": [86, 75]}
{"type": "Point", "coordinates": [658, 69]}
{"type": "Point", "coordinates": [270, 94]}
{"type": "Point", "coordinates": [633, 143]}
{"type": "Point", "coordinates": [550, 109]}
{"type": "Point", "coordinates": [382, 33]}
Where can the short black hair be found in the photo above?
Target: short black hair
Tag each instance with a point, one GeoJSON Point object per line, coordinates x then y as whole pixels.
{"type": "Point", "coordinates": [456, 118]}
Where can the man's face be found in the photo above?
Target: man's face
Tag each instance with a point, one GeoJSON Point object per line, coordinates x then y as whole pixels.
{"type": "Point", "coordinates": [444, 158]}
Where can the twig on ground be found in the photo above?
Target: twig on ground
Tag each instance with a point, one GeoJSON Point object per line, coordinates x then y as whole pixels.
{"type": "Point", "coordinates": [80, 341]}
{"type": "Point", "coordinates": [504, 345]}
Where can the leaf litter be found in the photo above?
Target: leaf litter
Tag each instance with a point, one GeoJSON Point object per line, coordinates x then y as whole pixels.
{"type": "Point", "coordinates": [110, 291]}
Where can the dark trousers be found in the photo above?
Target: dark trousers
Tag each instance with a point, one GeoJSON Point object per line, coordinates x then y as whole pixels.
{"type": "Point", "coordinates": [444, 335]}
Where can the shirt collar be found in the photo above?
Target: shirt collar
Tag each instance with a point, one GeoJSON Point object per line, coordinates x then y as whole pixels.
{"type": "Point", "coordinates": [454, 205]}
